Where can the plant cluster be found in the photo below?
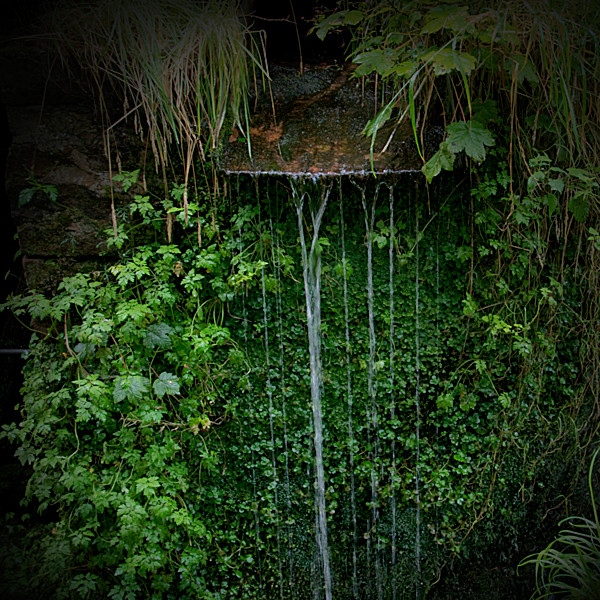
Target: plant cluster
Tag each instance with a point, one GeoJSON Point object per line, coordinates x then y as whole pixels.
{"type": "Point", "coordinates": [166, 413]}
{"type": "Point", "coordinates": [535, 61]}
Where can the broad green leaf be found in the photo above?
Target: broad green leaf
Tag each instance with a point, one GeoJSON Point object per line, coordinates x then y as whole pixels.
{"type": "Point", "coordinates": [167, 383]}
{"type": "Point", "coordinates": [406, 68]}
{"type": "Point", "coordinates": [471, 137]}
{"type": "Point", "coordinates": [484, 111]}
{"type": "Point", "coordinates": [556, 185]}
{"type": "Point", "coordinates": [551, 201]}
{"type": "Point", "coordinates": [350, 17]}
{"type": "Point", "coordinates": [581, 174]}
{"type": "Point", "coordinates": [157, 336]}
{"type": "Point", "coordinates": [381, 61]}
{"type": "Point", "coordinates": [132, 387]}
{"type": "Point", "coordinates": [524, 69]}
{"type": "Point", "coordinates": [447, 60]}
{"type": "Point", "coordinates": [442, 159]}
{"type": "Point", "coordinates": [579, 206]}
{"type": "Point", "coordinates": [374, 125]}
{"type": "Point", "coordinates": [446, 17]}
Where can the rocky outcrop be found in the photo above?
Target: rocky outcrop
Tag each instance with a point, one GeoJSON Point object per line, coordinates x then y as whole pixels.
{"type": "Point", "coordinates": [58, 141]}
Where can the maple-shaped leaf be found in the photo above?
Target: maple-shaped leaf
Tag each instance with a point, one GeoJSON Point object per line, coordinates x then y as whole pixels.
{"type": "Point", "coordinates": [469, 136]}
{"type": "Point", "coordinates": [446, 17]}
{"type": "Point", "coordinates": [447, 60]}
{"type": "Point", "coordinates": [157, 336]}
{"type": "Point", "coordinates": [132, 387]}
{"type": "Point", "coordinates": [167, 383]}
{"type": "Point", "coordinates": [382, 61]}
{"type": "Point", "coordinates": [484, 111]}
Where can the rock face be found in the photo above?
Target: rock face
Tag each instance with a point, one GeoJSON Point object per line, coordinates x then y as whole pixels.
{"type": "Point", "coordinates": [57, 141]}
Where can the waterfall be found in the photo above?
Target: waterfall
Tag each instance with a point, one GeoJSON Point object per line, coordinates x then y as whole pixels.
{"type": "Point", "coordinates": [311, 266]}
{"type": "Point", "coordinates": [288, 501]}
{"type": "Point", "coordinates": [369, 216]}
{"type": "Point", "coordinates": [349, 402]}
{"type": "Point", "coordinates": [392, 392]}
{"type": "Point", "coordinates": [417, 410]}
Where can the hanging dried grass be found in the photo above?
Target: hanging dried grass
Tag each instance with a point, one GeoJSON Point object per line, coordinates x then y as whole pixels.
{"type": "Point", "coordinates": [181, 67]}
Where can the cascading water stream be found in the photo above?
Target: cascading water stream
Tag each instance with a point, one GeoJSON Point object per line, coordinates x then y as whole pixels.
{"type": "Point", "coordinates": [392, 393]}
{"type": "Point", "coordinates": [253, 458]}
{"type": "Point", "coordinates": [311, 263]}
{"type": "Point", "coordinates": [417, 411]}
{"type": "Point", "coordinates": [269, 389]}
{"type": "Point", "coordinates": [288, 500]}
{"type": "Point", "coordinates": [369, 216]}
{"type": "Point", "coordinates": [350, 403]}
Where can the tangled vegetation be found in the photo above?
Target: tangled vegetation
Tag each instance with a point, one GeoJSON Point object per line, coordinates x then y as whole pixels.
{"type": "Point", "coordinates": [165, 414]}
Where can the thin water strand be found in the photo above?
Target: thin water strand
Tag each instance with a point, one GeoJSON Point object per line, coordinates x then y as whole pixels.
{"type": "Point", "coordinates": [350, 407]}
{"type": "Point", "coordinates": [417, 411]}
{"type": "Point", "coordinates": [269, 388]}
{"type": "Point", "coordinates": [392, 394]}
{"type": "Point", "coordinates": [311, 262]}
{"type": "Point", "coordinates": [252, 455]}
{"type": "Point", "coordinates": [369, 216]}
{"type": "Point", "coordinates": [288, 499]}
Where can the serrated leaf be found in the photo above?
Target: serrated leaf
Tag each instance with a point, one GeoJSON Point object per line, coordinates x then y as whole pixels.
{"type": "Point", "coordinates": [471, 137]}
{"type": "Point", "coordinates": [381, 61]}
{"type": "Point", "coordinates": [167, 383]}
{"type": "Point", "coordinates": [484, 111]}
{"type": "Point", "coordinates": [446, 17]}
{"type": "Point", "coordinates": [442, 159]}
{"type": "Point", "coordinates": [406, 68]}
{"type": "Point", "coordinates": [556, 185]}
{"type": "Point", "coordinates": [351, 17]}
{"type": "Point", "coordinates": [25, 196]}
{"type": "Point", "coordinates": [158, 336]}
{"type": "Point", "coordinates": [524, 69]}
{"type": "Point", "coordinates": [132, 387]}
{"type": "Point", "coordinates": [447, 60]}
{"type": "Point", "coordinates": [579, 206]}
{"type": "Point", "coordinates": [551, 201]}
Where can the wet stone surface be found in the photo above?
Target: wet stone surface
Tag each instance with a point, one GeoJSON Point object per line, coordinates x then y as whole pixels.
{"type": "Point", "coordinates": [317, 130]}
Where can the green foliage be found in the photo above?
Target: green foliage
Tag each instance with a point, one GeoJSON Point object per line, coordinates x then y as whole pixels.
{"type": "Point", "coordinates": [570, 564]}
{"type": "Point", "coordinates": [446, 58]}
{"type": "Point", "coordinates": [26, 195]}
{"type": "Point", "coordinates": [166, 413]}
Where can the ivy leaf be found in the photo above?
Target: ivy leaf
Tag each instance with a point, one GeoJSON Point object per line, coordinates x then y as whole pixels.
{"type": "Point", "coordinates": [442, 159]}
{"type": "Point", "coordinates": [157, 336]}
{"type": "Point", "coordinates": [471, 137]}
{"type": "Point", "coordinates": [167, 383]}
{"type": "Point", "coordinates": [132, 387]}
